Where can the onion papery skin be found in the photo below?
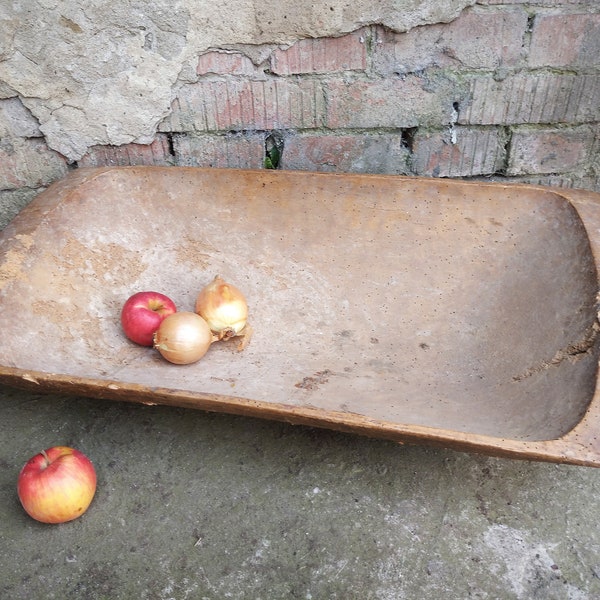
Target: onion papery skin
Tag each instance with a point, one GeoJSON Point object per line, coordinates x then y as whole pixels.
{"type": "Point", "coordinates": [223, 307]}
{"type": "Point", "coordinates": [183, 338]}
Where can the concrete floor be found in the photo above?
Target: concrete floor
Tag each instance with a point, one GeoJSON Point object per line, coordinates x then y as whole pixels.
{"type": "Point", "coordinates": [207, 506]}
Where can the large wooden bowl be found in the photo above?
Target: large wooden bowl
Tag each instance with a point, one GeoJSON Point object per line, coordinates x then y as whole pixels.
{"type": "Point", "coordinates": [420, 310]}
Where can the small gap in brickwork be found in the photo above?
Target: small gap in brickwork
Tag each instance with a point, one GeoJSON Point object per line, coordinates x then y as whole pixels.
{"type": "Point", "coordinates": [528, 31]}
{"type": "Point", "coordinates": [407, 137]}
{"type": "Point", "coordinates": [170, 144]}
{"type": "Point", "coordinates": [273, 150]}
{"type": "Point", "coordinates": [454, 121]}
{"type": "Point", "coordinates": [506, 150]}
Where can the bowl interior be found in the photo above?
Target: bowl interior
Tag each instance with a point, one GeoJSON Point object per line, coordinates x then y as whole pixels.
{"type": "Point", "coordinates": [465, 307]}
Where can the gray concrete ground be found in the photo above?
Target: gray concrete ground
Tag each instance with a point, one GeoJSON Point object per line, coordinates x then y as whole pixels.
{"type": "Point", "coordinates": [208, 506]}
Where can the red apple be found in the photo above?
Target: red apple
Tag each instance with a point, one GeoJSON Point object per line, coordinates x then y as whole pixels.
{"type": "Point", "coordinates": [143, 313]}
{"type": "Point", "coordinates": [57, 485]}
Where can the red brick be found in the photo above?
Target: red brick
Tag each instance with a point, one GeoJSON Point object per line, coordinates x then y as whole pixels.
{"type": "Point", "coordinates": [29, 163]}
{"type": "Point", "coordinates": [459, 153]}
{"type": "Point", "coordinates": [156, 153]}
{"type": "Point", "coordinates": [323, 55]}
{"type": "Point", "coordinates": [538, 151]}
{"type": "Point", "coordinates": [533, 98]}
{"type": "Point", "coordinates": [480, 39]}
{"type": "Point", "coordinates": [392, 102]}
{"type": "Point", "coordinates": [225, 63]}
{"type": "Point", "coordinates": [245, 151]}
{"type": "Point", "coordinates": [226, 105]}
{"type": "Point", "coordinates": [565, 40]}
{"type": "Point", "coordinates": [352, 153]}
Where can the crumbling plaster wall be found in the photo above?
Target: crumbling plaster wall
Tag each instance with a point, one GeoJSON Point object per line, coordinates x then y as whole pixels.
{"type": "Point", "coordinates": [105, 73]}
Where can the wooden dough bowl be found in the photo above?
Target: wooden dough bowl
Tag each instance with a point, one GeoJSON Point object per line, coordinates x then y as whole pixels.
{"type": "Point", "coordinates": [459, 314]}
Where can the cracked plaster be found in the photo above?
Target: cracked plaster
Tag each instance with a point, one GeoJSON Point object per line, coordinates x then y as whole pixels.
{"type": "Point", "coordinates": [107, 72]}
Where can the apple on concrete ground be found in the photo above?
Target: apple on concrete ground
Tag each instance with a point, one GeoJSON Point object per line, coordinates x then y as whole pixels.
{"type": "Point", "coordinates": [143, 313]}
{"type": "Point", "coordinates": [57, 485]}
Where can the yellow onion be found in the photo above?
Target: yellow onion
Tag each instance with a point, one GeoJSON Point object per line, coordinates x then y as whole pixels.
{"type": "Point", "coordinates": [183, 338]}
{"type": "Point", "coordinates": [223, 307]}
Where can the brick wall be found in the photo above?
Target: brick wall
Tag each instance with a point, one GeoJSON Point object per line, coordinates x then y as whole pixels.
{"type": "Point", "coordinates": [509, 90]}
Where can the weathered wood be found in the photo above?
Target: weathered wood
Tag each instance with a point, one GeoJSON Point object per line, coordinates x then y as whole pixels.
{"type": "Point", "coordinates": [425, 311]}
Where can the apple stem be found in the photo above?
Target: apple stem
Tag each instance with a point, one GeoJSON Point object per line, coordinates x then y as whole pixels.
{"type": "Point", "coordinates": [156, 305]}
{"type": "Point", "coordinates": [43, 453]}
